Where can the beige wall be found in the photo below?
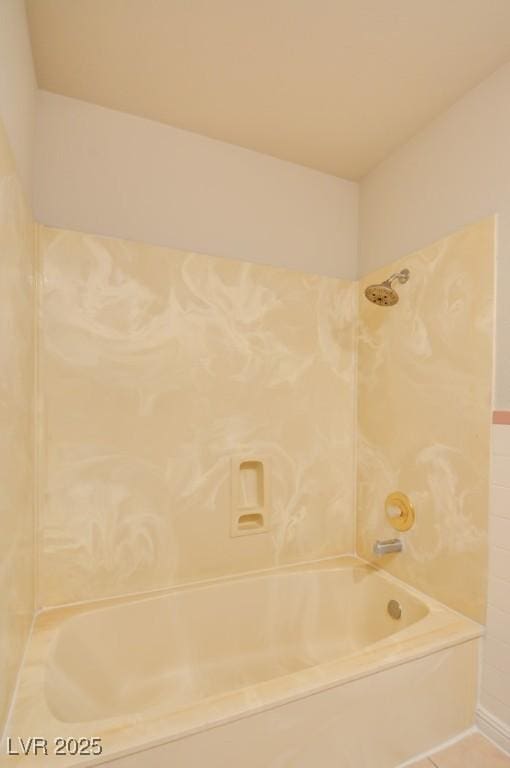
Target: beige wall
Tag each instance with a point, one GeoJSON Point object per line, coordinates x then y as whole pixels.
{"type": "Point", "coordinates": [157, 367]}
{"type": "Point", "coordinates": [424, 412]}
{"type": "Point", "coordinates": [111, 173]}
{"type": "Point", "coordinates": [454, 172]}
{"type": "Point", "coordinates": [16, 418]}
{"type": "Point", "coordinates": [17, 87]}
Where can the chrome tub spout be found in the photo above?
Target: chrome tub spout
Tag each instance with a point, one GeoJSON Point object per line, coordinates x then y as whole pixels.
{"type": "Point", "coordinates": [387, 547]}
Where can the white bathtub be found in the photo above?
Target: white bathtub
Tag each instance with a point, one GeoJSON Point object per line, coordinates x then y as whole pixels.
{"type": "Point", "coordinates": [243, 671]}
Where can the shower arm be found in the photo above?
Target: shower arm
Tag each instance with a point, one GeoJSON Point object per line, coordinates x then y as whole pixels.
{"type": "Point", "coordinates": [402, 277]}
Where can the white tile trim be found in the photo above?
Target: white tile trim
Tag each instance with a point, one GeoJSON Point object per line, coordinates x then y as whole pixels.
{"type": "Point", "coordinates": [437, 748]}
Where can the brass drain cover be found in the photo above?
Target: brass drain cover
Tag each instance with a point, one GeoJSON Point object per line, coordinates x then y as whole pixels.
{"type": "Point", "coordinates": [395, 609]}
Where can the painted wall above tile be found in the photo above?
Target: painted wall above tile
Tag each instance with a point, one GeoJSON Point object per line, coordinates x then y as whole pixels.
{"type": "Point", "coordinates": [110, 173]}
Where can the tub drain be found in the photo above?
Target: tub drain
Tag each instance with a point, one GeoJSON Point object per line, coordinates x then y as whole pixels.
{"type": "Point", "coordinates": [395, 609]}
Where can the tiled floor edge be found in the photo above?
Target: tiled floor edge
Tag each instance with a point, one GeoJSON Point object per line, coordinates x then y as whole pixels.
{"type": "Point", "coordinates": [424, 755]}
{"type": "Point", "coordinates": [493, 729]}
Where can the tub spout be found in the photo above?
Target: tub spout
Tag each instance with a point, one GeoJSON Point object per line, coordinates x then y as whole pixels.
{"type": "Point", "coordinates": [387, 547]}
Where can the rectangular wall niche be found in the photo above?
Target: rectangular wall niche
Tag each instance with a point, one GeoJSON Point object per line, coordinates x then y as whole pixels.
{"type": "Point", "coordinates": [250, 496]}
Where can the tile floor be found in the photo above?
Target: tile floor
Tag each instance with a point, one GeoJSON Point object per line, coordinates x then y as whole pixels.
{"type": "Point", "coordinates": [472, 752]}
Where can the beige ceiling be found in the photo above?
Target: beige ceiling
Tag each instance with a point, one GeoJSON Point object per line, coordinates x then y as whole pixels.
{"type": "Point", "coordinates": [331, 84]}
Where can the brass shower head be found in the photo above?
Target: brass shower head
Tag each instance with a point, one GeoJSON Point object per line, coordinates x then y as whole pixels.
{"type": "Point", "coordinates": [383, 293]}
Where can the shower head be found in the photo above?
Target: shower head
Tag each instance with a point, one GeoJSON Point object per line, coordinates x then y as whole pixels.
{"type": "Point", "coordinates": [383, 293]}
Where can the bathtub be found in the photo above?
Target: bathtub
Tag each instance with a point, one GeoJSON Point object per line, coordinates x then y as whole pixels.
{"type": "Point", "coordinates": [298, 666]}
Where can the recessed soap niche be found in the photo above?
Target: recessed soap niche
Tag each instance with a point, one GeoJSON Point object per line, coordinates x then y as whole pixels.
{"type": "Point", "coordinates": [250, 496]}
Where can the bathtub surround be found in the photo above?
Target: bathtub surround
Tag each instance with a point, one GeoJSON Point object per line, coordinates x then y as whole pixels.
{"type": "Point", "coordinates": [158, 367]}
{"type": "Point", "coordinates": [238, 358]}
{"type": "Point", "coordinates": [16, 418]}
{"type": "Point", "coordinates": [424, 405]}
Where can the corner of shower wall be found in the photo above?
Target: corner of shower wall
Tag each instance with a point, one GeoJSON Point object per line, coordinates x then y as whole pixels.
{"type": "Point", "coordinates": [17, 513]}
{"type": "Point", "coordinates": [424, 416]}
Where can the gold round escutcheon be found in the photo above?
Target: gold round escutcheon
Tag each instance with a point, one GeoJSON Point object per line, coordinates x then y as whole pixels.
{"type": "Point", "coordinates": [399, 511]}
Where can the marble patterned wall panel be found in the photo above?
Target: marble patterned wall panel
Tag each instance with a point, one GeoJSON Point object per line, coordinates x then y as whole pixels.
{"type": "Point", "coordinates": [16, 412]}
{"type": "Point", "coordinates": [424, 410]}
{"type": "Point", "coordinates": [156, 368]}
